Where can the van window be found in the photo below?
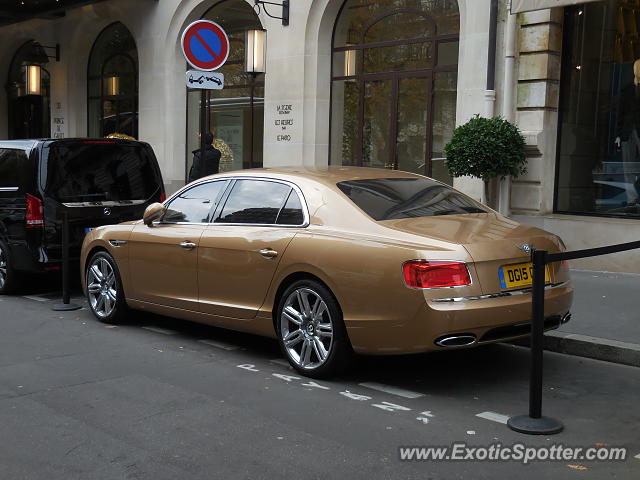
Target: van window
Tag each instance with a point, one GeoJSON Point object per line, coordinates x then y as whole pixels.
{"type": "Point", "coordinates": [99, 171]}
{"type": "Point", "coordinates": [12, 164]}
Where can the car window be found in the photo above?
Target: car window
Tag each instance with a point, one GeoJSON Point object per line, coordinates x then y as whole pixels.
{"type": "Point", "coordinates": [292, 213]}
{"type": "Point", "coordinates": [254, 201]}
{"type": "Point", "coordinates": [195, 204]}
{"type": "Point", "coordinates": [393, 198]}
{"type": "Point", "coordinates": [11, 165]}
{"type": "Point", "coordinates": [96, 171]}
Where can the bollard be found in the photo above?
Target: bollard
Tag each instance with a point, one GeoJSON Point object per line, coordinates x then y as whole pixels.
{"type": "Point", "coordinates": [66, 304]}
{"type": "Point", "coordinates": [535, 423]}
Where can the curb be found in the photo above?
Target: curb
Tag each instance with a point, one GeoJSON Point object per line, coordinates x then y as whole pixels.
{"type": "Point", "coordinates": [590, 347]}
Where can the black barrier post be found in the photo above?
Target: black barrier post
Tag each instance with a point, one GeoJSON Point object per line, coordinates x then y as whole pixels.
{"type": "Point", "coordinates": [535, 423]}
{"type": "Point", "coordinates": [66, 304]}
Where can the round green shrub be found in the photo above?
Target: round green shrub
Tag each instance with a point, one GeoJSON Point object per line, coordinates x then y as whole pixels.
{"type": "Point", "coordinates": [486, 148]}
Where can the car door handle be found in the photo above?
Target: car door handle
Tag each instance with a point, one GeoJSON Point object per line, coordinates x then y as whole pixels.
{"type": "Point", "coordinates": [268, 253]}
{"type": "Point", "coordinates": [188, 245]}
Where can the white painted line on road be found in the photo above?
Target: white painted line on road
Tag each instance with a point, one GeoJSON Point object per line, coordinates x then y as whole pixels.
{"type": "Point", "coordinates": [37, 298]}
{"type": "Point", "coordinates": [392, 390]}
{"type": "Point", "coordinates": [494, 417]}
{"type": "Point", "coordinates": [164, 331]}
{"type": "Point", "coordinates": [280, 361]}
{"type": "Point", "coordinates": [222, 345]}
{"type": "Point", "coordinates": [637, 456]}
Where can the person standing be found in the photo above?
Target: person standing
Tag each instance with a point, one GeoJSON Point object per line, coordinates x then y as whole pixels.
{"type": "Point", "coordinates": [206, 161]}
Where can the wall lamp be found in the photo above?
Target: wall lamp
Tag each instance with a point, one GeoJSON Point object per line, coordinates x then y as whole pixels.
{"type": "Point", "coordinates": [112, 85]}
{"type": "Point", "coordinates": [33, 79]}
{"type": "Point", "coordinates": [285, 10]}
{"type": "Point", "coordinates": [255, 44]}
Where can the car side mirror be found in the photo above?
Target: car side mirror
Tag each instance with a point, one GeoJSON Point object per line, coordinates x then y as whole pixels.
{"type": "Point", "coordinates": [154, 212]}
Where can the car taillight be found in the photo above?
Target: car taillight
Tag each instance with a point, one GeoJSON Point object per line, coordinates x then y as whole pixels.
{"type": "Point", "coordinates": [435, 274]}
{"type": "Point", "coordinates": [163, 197]}
{"type": "Point", "coordinates": [34, 217]}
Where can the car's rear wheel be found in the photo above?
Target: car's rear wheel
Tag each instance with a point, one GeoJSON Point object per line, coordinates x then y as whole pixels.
{"type": "Point", "coordinates": [104, 289]}
{"type": "Point", "coordinates": [8, 276]}
{"type": "Point", "coordinates": [311, 330]}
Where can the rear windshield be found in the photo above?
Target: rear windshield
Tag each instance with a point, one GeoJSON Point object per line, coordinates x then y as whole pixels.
{"type": "Point", "coordinates": [87, 172]}
{"type": "Point", "coordinates": [393, 198]}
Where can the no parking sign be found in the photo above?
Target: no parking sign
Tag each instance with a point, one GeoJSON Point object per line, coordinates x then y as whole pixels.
{"type": "Point", "coordinates": [205, 45]}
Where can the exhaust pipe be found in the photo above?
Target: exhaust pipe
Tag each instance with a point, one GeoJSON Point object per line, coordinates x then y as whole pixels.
{"type": "Point", "coordinates": [463, 340]}
{"type": "Point", "coordinates": [565, 318]}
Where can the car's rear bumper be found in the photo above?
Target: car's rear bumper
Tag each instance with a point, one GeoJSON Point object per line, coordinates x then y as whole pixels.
{"type": "Point", "coordinates": [483, 319]}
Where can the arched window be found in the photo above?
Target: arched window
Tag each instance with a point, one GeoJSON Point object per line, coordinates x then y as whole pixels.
{"type": "Point", "coordinates": [235, 114]}
{"type": "Point", "coordinates": [29, 112]}
{"type": "Point", "coordinates": [394, 84]}
{"type": "Point", "coordinates": [113, 83]}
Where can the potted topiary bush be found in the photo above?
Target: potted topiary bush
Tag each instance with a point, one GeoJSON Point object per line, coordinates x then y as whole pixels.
{"type": "Point", "coordinates": [486, 148]}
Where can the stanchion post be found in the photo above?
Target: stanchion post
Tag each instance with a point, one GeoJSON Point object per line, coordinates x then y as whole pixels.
{"type": "Point", "coordinates": [66, 304]}
{"type": "Point", "coordinates": [535, 423]}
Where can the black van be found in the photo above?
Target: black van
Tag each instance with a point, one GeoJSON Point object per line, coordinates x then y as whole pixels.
{"type": "Point", "coordinates": [95, 181]}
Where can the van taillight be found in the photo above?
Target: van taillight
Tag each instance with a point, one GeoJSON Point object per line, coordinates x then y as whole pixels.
{"type": "Point", "coordinates": [163, 197]}
{"type": "Point", "coordinates": [435, 274]}
{"type": "Point", "coordinates": [34, 216]}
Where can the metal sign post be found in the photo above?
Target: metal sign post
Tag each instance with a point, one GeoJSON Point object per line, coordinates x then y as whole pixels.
{"type": "Point", "coordinates": [66, 304]}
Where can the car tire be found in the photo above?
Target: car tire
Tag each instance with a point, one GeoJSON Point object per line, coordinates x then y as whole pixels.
{"type": "Point", "coordinates": [311, 330]}
{"type": "Point", "coordinates": [105, 294]}
{"type": "Point", "coordinates": [9, 278]}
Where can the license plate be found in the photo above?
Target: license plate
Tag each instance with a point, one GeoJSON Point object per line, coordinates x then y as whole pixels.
{"type": "Point", "coordinates": [519, 275]}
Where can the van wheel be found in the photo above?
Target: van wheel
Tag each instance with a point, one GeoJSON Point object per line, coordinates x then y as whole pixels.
{"type": "Point", "coordinates": [104, 289]}
{"type": "Point", "coordinates": [8, 276]}
{"type": "Point", "coordinates": [311, 331]}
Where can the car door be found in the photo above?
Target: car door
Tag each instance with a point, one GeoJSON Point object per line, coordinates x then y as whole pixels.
{"type": "Point", "coordinates": [164, 257]}
{"type": "Point", "coordinates": [240, 251]}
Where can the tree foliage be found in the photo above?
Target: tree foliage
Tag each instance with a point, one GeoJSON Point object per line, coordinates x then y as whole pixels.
{"type": "Point", "coordinates": [486, 148]}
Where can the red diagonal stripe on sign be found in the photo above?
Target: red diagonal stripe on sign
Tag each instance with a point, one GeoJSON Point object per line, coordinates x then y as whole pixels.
{"type": "Point", "coordinates": [206, 45]}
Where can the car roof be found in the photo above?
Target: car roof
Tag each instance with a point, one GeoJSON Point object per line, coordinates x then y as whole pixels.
{"type": "Point", "coordinates": [330, 175]}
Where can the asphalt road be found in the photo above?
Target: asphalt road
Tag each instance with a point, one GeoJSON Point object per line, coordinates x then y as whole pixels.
{"type": "Point", "coordinates": [164, 399]}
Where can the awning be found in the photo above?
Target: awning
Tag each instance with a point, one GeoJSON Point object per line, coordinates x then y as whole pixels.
{"type": "Point", "coordinates": [518, 6]}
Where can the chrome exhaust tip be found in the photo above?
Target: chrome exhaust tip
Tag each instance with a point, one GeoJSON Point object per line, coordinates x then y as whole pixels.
{"type": "Point", "coordinates": [450, 341]}
{"type": "Point", "coordinates": [565, 318]}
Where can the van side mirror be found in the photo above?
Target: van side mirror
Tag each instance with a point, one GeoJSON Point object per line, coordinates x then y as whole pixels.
{"type": "Point", "coordinates": [154, 212]}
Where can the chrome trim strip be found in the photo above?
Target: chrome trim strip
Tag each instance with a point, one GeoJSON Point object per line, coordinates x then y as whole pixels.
{"type": "Point", "coordinates": [496, 295]}
{"type": "Point", "coordinates": [9, 189]}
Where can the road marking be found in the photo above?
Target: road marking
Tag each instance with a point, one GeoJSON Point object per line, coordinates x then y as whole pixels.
{"type": "Point", "coordinates": [390, 407]}
{"type": "Point", "coordinates": [392, 390]}
{"type": "Point", "coordinates": [315, 385]}
{"type": "Point", "coordinates": [355, 396]}
{"type": "Point", "coordinates": [248, 366]}
{"type": "Point", "coordinates": [164, 331]}
{"type": "Point", "coordinates": [286, 378]}
{"type": "Point", "coordinates": [36, 298]}
{"type": "Point", "coordinates": [637, 456]}
{"type": "Point", "coordinates": [280, 361]}
{"type": "Point", "coordinates": [424, 417]}
{"type": "Point", "coordinates": [494, 417]}
{"type": "Point", "coordinates": [222, 345]}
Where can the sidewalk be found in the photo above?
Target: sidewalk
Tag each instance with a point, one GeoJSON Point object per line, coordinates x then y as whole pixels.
{"type": "Point", "coordinates": [606, 319]}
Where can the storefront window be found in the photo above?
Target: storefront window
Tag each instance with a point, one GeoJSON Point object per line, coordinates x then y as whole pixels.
{"type": "Point", "coordinates": [235, 114]}
{"type": "Point", "coordinates": [113, 83]}
{"type": "Point", "coordinates": [393, 98]}
{"type": "Point", "coordinates": [29, 114]}
{"type": "Point", "coordinates": [598, 168]}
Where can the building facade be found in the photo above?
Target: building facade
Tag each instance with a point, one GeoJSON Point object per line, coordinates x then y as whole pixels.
{"type": "Point", "coordinates": [347, 82]}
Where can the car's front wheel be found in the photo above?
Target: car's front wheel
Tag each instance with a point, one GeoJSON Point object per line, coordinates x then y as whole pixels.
{"type": "Point", "coordinates": [311, 331]}
{"type": "Point", "coordinates": [104, 289]}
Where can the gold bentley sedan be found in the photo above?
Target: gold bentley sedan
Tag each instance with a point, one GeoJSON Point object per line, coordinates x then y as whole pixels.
{"type": "Point", "coordinates": [329, 261]}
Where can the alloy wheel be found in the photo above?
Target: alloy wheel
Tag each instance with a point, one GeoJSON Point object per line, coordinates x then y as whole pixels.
{"type": "Point", "coordinates": [3, 268]}
{"type": "Point", "coordinates": [102, 287]}
{"type": "Point", "coordinates": [306, 328]}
